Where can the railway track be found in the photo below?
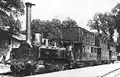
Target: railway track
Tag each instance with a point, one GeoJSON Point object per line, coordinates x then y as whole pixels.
{"type": "Point", "coordinates": [11, 74]}
{"type": "Point", "coordinates": [110, 72]}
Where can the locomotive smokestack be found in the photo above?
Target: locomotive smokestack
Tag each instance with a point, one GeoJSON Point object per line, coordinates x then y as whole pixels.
{"type": "Point", "coordinates": [28, 22]}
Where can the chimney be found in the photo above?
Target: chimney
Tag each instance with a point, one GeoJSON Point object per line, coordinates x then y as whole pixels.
{"type": "Point", "coordinates": [28, 22]}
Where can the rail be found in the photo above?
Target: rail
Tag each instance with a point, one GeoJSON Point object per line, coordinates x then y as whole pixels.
{"type": "Point", "coordinates": [109, 72]}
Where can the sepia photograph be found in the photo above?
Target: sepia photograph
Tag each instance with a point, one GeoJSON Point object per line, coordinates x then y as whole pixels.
{"type": "Point", "coordinates": [59, 38]}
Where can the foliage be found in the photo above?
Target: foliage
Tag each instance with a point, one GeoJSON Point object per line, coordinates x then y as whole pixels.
{"type": "Point", "coordinates": [52, 29]}
{"type": "Point", "coordinates": [69, 23]}
{"type": "Point", "coordinates": [107, 22]}
{"type": "Point", "coordinates": [116, 13]}
{"type": "Point", "coordinates": [104, 24]}
{"type": "Point", "coordinates": [10, 10]}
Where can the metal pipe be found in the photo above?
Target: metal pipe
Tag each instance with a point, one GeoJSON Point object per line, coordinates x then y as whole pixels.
{"type": "Point", "coordinates": [28, 22]}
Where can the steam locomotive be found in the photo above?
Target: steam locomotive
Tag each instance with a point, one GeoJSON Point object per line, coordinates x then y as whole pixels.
{"type": "Point", "coordinates": [80, 48]}
{"type": "Point", "coordinates": [33, 57]}
{"type": "Point", "coordinates": [37, 59]}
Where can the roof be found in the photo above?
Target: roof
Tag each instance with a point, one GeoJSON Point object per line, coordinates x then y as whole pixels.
{"type": "Point", "coordinates": [83, 29]}
{"type": "Point", "coordinates": [19, 37]}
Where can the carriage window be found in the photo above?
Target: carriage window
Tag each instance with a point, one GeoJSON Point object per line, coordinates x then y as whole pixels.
{"type": "Point", "coordinates": [95, 50]}
{"type": "Point", "coordinates": [9, 41]}
{"type": "Point", "coordinates": [92, 50]}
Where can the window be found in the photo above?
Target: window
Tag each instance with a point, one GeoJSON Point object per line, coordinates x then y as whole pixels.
{"type": "Point", "coordinates": [9, 41]}
{"type": "Point", "coordinates": [95, 50]}
{"type": "Point", "coordinates": [92, 50]}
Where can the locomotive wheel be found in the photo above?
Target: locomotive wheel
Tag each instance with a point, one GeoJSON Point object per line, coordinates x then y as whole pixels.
{"type": "Point", "coordinates": [14, 69]}
{"type": "Point", "coordinates": [39, 69]}
{"type": "Point", "coordinates": [29, 69]}
{"type": "Point", "coordinates": [62, 67]}
{"type": "Point", "coordinates": [91, 63]}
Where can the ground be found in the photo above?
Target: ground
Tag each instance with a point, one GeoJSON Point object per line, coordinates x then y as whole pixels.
{"type": "Point", "coordinates": [4, 68]}
{"type": "Point", "coordinates": [108, 70]}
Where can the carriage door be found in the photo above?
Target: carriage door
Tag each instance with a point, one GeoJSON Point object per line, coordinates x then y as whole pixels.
{"type": "Point", "coordinates": [98, 54]}
{"type": "Point", "coordinates": [110, 55]}
{"type": "Point", "coordinates": [78, 51]}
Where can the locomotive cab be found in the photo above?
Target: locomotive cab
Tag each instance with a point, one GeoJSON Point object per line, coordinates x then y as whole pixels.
{"type": "Point", "coordinates": [52, 53]}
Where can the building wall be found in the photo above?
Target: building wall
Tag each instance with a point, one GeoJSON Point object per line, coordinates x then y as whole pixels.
{"type": "Point", "coordinates": [7, 44]}
{"type": "Point", "coordinates": [14, 43]}
{"type": "Point", "coordinates": [4, 46]}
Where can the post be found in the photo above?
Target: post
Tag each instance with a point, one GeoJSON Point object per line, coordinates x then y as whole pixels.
{"type": "Point", "coordinates": [28, 22]}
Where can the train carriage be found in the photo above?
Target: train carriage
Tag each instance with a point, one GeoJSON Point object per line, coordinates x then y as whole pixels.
{"type": "Point", "coordinates": [89, 55]}
{"type": "Point", "coordinates": [113, 54]}
{"type": "Point", "coordinates": [84, 47]}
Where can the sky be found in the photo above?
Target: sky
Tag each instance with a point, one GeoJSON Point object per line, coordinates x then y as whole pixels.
{"type": "Point", "coordinates": [79, 10]}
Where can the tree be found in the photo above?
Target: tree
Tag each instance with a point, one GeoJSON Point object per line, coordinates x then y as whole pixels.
{"type": "Point", "coordinates": [49, 29]}
{"type": "Point", "coordinates": [15, 26]}
{"type": "Point", "coordinates": [116, 13]}
{"type": "Point", "coordinates": [10, 10]}
{"type": "Point", "coordinates": [69, 23]}
{"type": "Point", "coordinates": [104, 24]}
{"type": "Point", "coordinates": [37, 26]}
{"type": "Point", "coordinates": [95, 24]}
{"type": "Point", "coordinates": [52, 29]}
{"type": "Point", "coordinates": [57, 28]}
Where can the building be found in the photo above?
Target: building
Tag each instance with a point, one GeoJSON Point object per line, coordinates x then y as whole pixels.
{"type": "Point", "coordinates": [9, 41]}
{"type": "Point", "coordinates": [17, 40]}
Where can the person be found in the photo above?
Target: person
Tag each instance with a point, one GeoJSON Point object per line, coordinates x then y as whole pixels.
{"type": "Point", "coordinates": [70, 56]}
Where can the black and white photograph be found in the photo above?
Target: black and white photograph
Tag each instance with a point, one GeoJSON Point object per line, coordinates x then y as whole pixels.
{"type": "Point", "coordinates": [59, 38]}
